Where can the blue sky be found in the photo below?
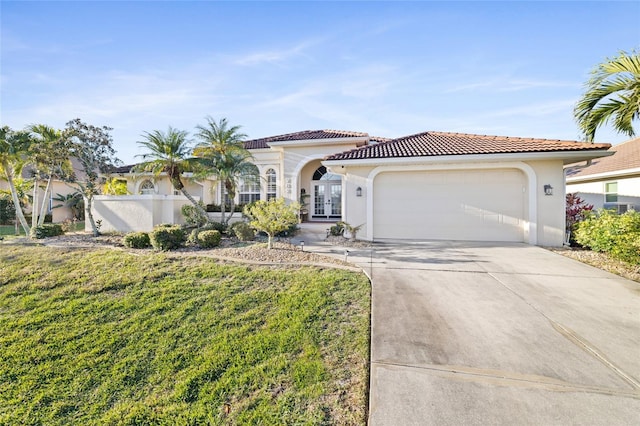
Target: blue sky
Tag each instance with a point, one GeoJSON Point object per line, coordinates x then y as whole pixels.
{"type": "Point", "coordinates": [387, 68]}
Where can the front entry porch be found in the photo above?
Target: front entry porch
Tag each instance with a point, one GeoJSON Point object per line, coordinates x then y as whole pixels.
{"type": "Point", "coordinates": [321, 194]}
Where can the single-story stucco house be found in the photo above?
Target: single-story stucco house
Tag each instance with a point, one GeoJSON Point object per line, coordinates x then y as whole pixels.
{"type": "Point", "coordinates": [431, 185]}
{"type": "Point", "coordinates": [610, 182]}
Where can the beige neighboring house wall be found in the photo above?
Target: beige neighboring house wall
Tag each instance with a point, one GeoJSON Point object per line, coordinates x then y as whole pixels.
{"type": "Point", "coordinates": [610, 182]}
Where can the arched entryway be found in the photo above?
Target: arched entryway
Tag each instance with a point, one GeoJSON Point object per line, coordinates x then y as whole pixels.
{"type": "Point", "coordinates": [326, 195]}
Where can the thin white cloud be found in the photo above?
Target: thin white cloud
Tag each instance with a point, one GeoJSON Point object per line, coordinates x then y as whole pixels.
{"type": "Point", "coordinates": [273, 56]}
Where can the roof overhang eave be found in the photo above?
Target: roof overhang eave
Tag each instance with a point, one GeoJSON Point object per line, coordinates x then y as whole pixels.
{"type": "Point", "coordinates": [605, 175]}
{"type": "Point", "coordinates": [567, 157]}
{"type": "Point", "coordinates": [357, 140]}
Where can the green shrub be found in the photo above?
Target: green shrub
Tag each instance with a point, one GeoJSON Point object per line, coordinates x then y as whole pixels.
{"type": "Point", "coordinates": [243, 231]}
{"type": "Point", "coordinates": [137, 240]}
{"type": "Point", "coordinates": [617, 235]}
{"type": "Point", "coordinates": [192, 216]}
{"type": "Point", "coordinates": [46, 230]}
{"type": "Point", "coordinates": [167, 237]}
{"type": "Point", "coordinates": [215, 226]}
{"type": "Point", "coordinates": [208, 239]}
{"type": "Point", "coordinates": [7, 211]}
{"type": "Point", "coordinates": [211, 226]}
{"type": "Point", "coordinates": [337, 230]}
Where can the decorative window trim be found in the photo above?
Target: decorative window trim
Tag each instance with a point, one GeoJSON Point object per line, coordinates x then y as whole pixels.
{"type": "Point", "coordinates": [249, 190]}
{"type": "Point", "coordinates": [147, 187]}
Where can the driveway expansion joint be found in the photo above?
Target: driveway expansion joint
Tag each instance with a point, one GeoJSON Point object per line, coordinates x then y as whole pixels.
{"type": "Point", "coordinates": [509, 379]}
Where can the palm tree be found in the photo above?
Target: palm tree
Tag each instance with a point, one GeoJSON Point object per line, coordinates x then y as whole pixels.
{"type": "Point", "coordinates": [222, 155]}
{"type": "Point", "coordinates": [13, 152]}
{"type": "Point", "coordinates": [612, 94]}
{"type": "Point", "coordinates": [169, 153]}
{"type": "Point", "coordinates": [50, 157]}
{"type": "Point", "coordinates": [219, 138]}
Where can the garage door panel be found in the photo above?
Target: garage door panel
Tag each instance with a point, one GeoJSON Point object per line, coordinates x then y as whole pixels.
{"type": "Point", "coordinates": [485, 205]}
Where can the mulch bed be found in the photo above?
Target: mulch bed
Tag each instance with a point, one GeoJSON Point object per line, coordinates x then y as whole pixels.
{"type": "Point", "coordinates": [602, 261]}
{"type": "Point", "coordinates": [255, 252]}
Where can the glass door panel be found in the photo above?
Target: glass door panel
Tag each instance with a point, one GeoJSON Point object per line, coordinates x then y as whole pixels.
{"type": "Point", "coordinates": [318, 200]}
{"type": "Point", "coordinates": [336, 199]}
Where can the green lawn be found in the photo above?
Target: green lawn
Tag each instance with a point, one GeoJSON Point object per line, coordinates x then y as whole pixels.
{"type": "Point", "coordinates": [107, 337]}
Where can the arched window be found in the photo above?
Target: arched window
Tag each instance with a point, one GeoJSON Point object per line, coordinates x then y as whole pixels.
{"type": "Point", "coordinates": [271, 184]}
{"type": "Point", "coordinates": [321, 173]}
{"type": "Point", "coordinates": [147, 187]}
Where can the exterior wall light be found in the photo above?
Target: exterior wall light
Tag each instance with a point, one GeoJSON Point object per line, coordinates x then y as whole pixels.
{"type": "Point", "coordinates": [358, 192]}
{"type": "Point", "coordinates": [548, 190]}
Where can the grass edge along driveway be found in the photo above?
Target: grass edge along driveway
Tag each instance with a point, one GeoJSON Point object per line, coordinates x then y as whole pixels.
{"type": "Point", "coordinates": [108, 337]}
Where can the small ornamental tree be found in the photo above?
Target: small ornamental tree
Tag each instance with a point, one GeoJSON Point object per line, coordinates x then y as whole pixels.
{"type": "Point", "coordinates": [92, 146]}
{"type": "Point", "coordinates": [272, 216]}
{"type": "Point", "coordinates": [577, 210]}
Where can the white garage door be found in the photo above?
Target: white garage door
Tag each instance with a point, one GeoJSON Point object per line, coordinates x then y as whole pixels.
{"type": "Point", "coordinates": [474, 205]}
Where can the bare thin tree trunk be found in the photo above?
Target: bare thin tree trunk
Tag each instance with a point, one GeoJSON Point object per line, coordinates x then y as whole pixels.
{"type": "Point", "coordinates": [88, 201]}
{"type": "Point", "coordinates": [44, 202]}
{"type": "Point", "coordinates": [16, 204]}
{"type": "Point", "coordinates": [34, 203]}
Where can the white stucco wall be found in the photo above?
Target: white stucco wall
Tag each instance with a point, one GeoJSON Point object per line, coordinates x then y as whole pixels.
{"type": "Point", "coordinates": [128, 213]}
{"type": "Point", "coordinates": [545, 214]}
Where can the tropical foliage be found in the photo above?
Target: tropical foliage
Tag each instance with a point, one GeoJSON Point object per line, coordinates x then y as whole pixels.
{"type": "Point", "coordinates": [617, 235]}
{"type": "Point", "coordinates": [115, 186]}
{"type": "Point", "coordinates": [222, 155]}
{"type": "Point", "coordinates": [49, 158]}
{"type": "Point", "coordinates": [169, 152]}
{"type": "Point", "coordinates": [576, 210]}
{"type": "Point", "coordinates": [612, 95]}
{"type": "Point", "coordinates": [13, 152]}
{"type": "Point", "coordinates": [92, 146]}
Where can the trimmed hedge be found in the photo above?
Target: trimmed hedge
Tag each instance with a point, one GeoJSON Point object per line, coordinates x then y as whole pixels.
{"type": "Point", "coordinates": [46, 230]}
{"type": "Point", "coordinates": [209, 239]}
{"type": "Point", "coordinates": [137, 240]}
{"type": "Point", "coordinates": [167, 237]}
{"type": "Point", "coordinates": [617, 235]}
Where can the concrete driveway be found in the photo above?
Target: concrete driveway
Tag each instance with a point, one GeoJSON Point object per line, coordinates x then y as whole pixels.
{"type": "Point", "coordinates": [474, 333]}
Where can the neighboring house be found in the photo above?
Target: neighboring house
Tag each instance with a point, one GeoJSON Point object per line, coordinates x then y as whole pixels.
{"type": "Point", "coordinates": [610, 182]}
{"type": "Point", "coordinates": [431, 185]}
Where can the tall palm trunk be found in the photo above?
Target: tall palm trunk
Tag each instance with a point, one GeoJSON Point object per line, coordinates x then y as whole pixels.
{"type": "Point", "coordinates": [232, 201]}
{"type": "Point", "coordinates": [194, 202]}
{"type": "Point", "coordinates": [178, 185]}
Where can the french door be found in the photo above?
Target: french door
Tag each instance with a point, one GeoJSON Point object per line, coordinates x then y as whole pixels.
{"type": "Point", "coordinates": [327, 200]}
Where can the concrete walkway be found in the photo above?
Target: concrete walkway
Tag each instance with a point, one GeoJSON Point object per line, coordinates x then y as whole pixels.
{"type": "Point", "coordinates": [474, 333]}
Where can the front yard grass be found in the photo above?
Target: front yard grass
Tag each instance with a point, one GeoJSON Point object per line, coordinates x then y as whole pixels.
{"type": "Point", "coordinates": [109, 337]}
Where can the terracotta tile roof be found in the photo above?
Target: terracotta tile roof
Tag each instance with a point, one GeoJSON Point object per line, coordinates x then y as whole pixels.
{"type": "Point", "coordinates": [124, 169]}
{"type": "Point", "coordinates": [627, 156]}
{"type": "Point", "coordinates": [304, 135]}
{"type": "Point", "coordinates": [430, 144]}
